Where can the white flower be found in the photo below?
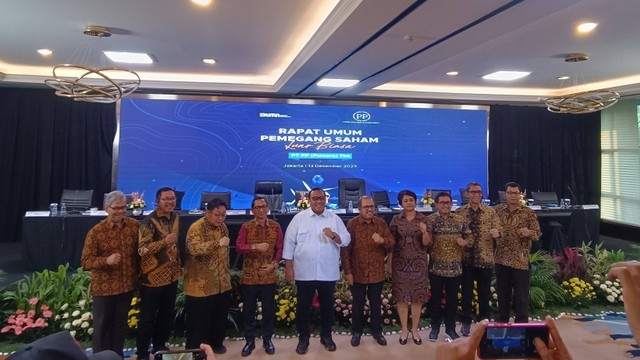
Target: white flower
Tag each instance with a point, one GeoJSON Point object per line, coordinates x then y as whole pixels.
{"type": "Point", "coordinates": [84, 325]}
{"type": "Point", "coordinates": [611, 298]}
{"type": "Point", "coordinates": [73, 333]}
{"type": "Point", "coordinates": [82, 303]}
{"type": "Point", "coordinates": [603, 287]}
{"type": "Point", "coordinates": [616, 283]}
{"type": "Point", "coordinates": [76, 322]}
{"type": "Point", "coordinates": [90, 331]}
{"type": "Point", "coordinates": [596, 276]}
{"type": "Point", "coordinates": [608, 282]}
{"type": "Point", "coordinates": [57, 317]}
{"type": "Point", "coordinates": [620, 298]}
{"type": "Point", "coordinates": [608, 290]}
{"type": "Point", "coordinates": [596, 282]}
{"type": "Point", "coordinates": [75, 313]}
{"type": "Point", "coordinates": [495, 296]}
{"type": "Point", "coordinates": [67, 326]}
{"type": "Point", "coordinates": [64, 307]}
{"type": "Point", "coordinates": [259, 317]}
{"type": "Point", "coordinates": [614, 294]}
{"type": "Point", "coordinates": [65, 316]}
{"type": "Point", "coordinates": [617, 291]}
{"type": "Point", "coordinates": [86, 316]}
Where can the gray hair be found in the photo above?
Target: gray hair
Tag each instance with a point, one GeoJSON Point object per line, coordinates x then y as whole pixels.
{"type": "Point", "coordinates": [113, 196]}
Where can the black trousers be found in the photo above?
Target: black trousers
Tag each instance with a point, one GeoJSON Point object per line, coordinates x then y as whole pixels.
{"type": "Point", "coordinates": [157, 312]}
{"type": "Point", "coordinates": [372, 292]}
{"type": "Point", "coordinates": [306, 289]}
{"type": "Point", "coordinates": [482, 277]}
{"type": "Point", "coordinates": [250, 295]}
{"type": "Point", "coordinates": [450, 285]}
{"type": "Point", "coordinates": [207, 319]}
{"type": "Point", "coordinates": [510, 280]}
{"type": "Point", "coordinates": [110, 315]}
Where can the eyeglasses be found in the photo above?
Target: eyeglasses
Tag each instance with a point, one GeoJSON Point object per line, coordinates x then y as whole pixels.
{"type": "Point", "coordinates": [475, 192]}
{"type": "Point", "coordinates": [219, 215]}
{"type": "Point", "coordinates": [317, 198]}
{"type": "Point", "coordinates": [260, 207]}
{"type": "Point", "coordinates": [444, 202]}
{"type": "Point", "coordinates": [513, 192]}
{"type": "Point", "coordinates": [168, 199]}
{"type": "Point", "coordinates": [119, 208]}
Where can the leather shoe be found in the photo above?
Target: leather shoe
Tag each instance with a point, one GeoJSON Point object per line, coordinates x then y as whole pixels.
{"type": "Point", "coordinates": [355, 339]}
{"type": "Point", "coordinates": [465, 329]}
{"type": "Point", "coordinates": [328, 343]}
{"type": "Point", "coordinates": [303, 346]}
{"type": "Point", "coordinates": [402, 341]}
{"type": "Point", "coordinates": [380, 339]}
{"type": "Point", "coordinates": [268, 346]}
{"type": "Point", "coordinates": [452, 334]}
{"type": "Point", "coordinates": [248, 348]}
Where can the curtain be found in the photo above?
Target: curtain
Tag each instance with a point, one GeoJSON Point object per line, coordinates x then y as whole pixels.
{"type": "Point", "coordinates": [543, 151]}
{"type": "Point", "coordinates": [47, 144]}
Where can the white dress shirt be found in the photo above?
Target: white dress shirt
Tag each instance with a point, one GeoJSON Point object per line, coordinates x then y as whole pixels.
{"type": "Point", "coordinates": [315, 256]}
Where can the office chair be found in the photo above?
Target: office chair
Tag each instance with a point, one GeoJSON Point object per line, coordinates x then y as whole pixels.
{"type": "Point", "coordinates": [380, 198]}
{"type": "Point", "coordinates": [503, 197]}
{"type": "Point", "coordinates": [77, 200]}
{"type": "Point", "coordinates": [179, 197]}
{"type": "Point", "coordinates": [350, 189]}
{"type": "Point", "coordinates": [434, 193]}
{"type": "Point", "coordinates": [207, 196]}
{"type": "Point", "coordinates": [544, 198]}
{"type": "Point", "coordinates": [464, 196]}
{"type": "Point", "coordinates": [271, 191]}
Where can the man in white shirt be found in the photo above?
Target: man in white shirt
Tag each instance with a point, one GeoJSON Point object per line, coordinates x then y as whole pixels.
{"type": "Point", "coordinates": [312, 257]}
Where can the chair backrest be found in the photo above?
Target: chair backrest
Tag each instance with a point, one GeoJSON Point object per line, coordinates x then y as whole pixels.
{"type": "Point", "coordinates": [464, 196]}
{"type": "Point", "coordinates": [380, 198]}
{"type": "Point", "coordinates": [503, 196]}
{"type": "Point", "coordinates": [271, 191]}
{"type": "Point", "coordinates": [350, 189]}
{"type": "Point", "coordinates": [207, 196]}
{"type": "Point", "coordinates": [544, 198]}
{"type": "Point", "coordinates": [435, 193]}
{"type": "Point", "coordinates": [179, 197]}
{"type": "Point", "coordinates": [76, 200]}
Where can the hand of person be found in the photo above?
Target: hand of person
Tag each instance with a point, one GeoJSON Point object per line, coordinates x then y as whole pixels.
{"type": "Point", "coordinates": [266, 269]}
{"type": "Point", "coordinates": [171, 239]}
{"type": "Point", "coordinates": [556, 350]}
{"type": "Point", "coordinates": [349, 279]}
{"type": "Point", "coordinates": [114, 259]}
{"type": "Point", "coordinates": [628, 272]}
{"type": "Point", "coordinates": [495, 233]}
{"type": "Point", "coordinates": [224, 241]}
{"type": "Point", "coordinates": [524, 232]}
{"type": "Point", "coordinates": [462, 242]}
{"type": "Point", "coordinates": [377, 238]}
{"type": "Point", "coordinates": [208, 352]}
{"type": "Point", "coordinates": [328, 232]}
{"type": "Point", "coordinates": [462, 348]}
{"type": "Point", "coordinates": [262, 247]}
{"type": "Point", "coordinates": [289, 274]}
{"type": "Point", "coordinates": [423, 227]}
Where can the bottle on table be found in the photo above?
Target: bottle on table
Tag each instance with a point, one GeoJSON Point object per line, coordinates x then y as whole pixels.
{"type": "Point", "coordinates": [63, 209]}
{"type": "Point", "coordinates": [350, 207]}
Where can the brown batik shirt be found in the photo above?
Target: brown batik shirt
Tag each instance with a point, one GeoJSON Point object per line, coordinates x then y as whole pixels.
{"type": "Point", "coordinates": [446, 255]}
{"type": "Point", "coordinates": [480, 251]}
{"type": "Point", "coordinates": [363, 258]}
{"type": "Point", "coordinates": [252, 233]}
{"type": "Point", "coordinates": [207, 263]}
{"type": "Point", "coordinates": [513, 249]}
{"type": "Point", "coordinates": [160, 263]}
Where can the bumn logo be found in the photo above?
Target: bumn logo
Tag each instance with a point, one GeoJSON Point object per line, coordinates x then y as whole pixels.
{"type": "Point", "coordinates": [361, 116]}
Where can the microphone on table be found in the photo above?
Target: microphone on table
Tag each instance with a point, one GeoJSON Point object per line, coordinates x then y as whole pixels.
{"type": "Point", "coordinates": [574, 199]}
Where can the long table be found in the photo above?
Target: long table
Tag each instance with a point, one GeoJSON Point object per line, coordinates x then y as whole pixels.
{"type": "Point", "coordinates": [50, 241]}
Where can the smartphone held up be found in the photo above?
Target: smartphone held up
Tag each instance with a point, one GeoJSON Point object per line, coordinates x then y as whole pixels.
{"type": "Point", "coordinates": [512, 341]}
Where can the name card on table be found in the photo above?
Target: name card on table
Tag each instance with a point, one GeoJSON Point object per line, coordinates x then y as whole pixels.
{"type": "Point", "coordinates": [37, 213]}
{"type": "Point", "coordinates": [590, 207]}
{"type": "Point", "coordinates": [535, 207]}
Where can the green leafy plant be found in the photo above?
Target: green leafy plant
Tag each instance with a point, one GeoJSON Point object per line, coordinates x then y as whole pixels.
{"type": "Point", "coordinates": [598, 260]}
{"type": "Point", "coordinates": [543, 288]}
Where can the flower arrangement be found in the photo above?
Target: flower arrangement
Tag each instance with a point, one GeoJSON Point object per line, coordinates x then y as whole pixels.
{"type": "Point", "coordinates": [303, 203]}
{"type": "Point", "coordinates": [523, 198]}
{"type": "Point", "coordinates": [608, 291]}
{"type": "Point", "coordinates": [27, 322]}
{"type": "Point", "coordinates": [427, 200]}
{"type": "Point", "coordinates": [286, 302]}
{"type": "Point", "coordinates": [132, 315]}
{"type": "Point", "coordinates": [137, 201]}
{"type": "Point", "coordinates": [77, 319]}
{"type": "Point", "coordinates": [578, 292]}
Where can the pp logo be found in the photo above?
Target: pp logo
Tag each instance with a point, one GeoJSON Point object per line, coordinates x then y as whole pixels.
{"type": "Point", "coordinates": [361, 116]}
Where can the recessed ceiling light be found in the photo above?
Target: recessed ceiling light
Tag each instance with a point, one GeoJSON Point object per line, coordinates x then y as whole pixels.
{"type": "Point", "coordinates": [341, 83]}
{"type": "Point", "coordinates": [452, 73]}
{"type": "Point", "coordinates": [209, 61]}
{"type": "Point", "coordinates": [129, 57]}
{"type": "Point", "coordinates": [586, 27]}
{"type": "Point", "coordinates": [201, 2]}
{"type": "Point", "coordinates": [506, 75]}
{"type": "Point", "coordinates": [45, 52]}
{"type": "Point", "coordinates": [564, 77]}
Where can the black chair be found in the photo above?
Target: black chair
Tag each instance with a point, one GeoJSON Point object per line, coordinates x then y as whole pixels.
{"type": "Point", "coordinates": [544, 198]}
{"type": "Point", "coordinates": [503, 197]}
{"type": "Point", "coordinates": [380, 198]}
{"type": "Point", "coordinates": [207, 196]}
{"type": "Point", "coordinates": [77, 200]}
{"type": "Point", "coordinates": [464, 196]}
{"type": "Point", "coordinates": [271, 191]}
{"type": "Point", "coordinates": [350, 189]}
{"type": "Point", "coordinates": [127, 199]}
{"type": "Point", "coordinates": [179, 197]}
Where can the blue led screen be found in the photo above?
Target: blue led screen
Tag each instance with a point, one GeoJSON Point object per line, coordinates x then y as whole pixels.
{"type": "Point", "coordinates": [196, 146]}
